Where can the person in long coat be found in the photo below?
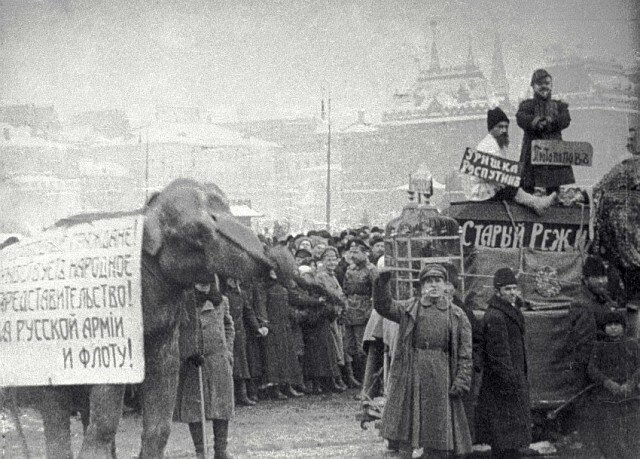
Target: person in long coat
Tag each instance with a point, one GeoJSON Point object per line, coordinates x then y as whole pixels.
{"type": "Point", "coordinates": [206, 341]}
{"type": "Point", "coordinates": [611, 411]}
{"type": "Point", "coordinates": [542, 118]}
{"type": "Point", "coordinates": [503, 416]}
{"type": "Point", "coordinates": [243, 316]}
{"type": "Point", "coordinates": [320, 363]}
{"type": "Point", "coordinates": [431, 369]}
{"type": "Point", "coordinates": [256, 326]}
{"type": "Point", "coordinates": [326, 276]}
{"type": "Point", "coordinates": [281, 366]}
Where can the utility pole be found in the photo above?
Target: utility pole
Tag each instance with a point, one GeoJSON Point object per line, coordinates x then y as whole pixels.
{"type": "Point", "coordinates": [328, 211]}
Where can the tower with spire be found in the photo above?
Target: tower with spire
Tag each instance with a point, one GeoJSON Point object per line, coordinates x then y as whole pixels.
{"type": "Point", "coordinates": [434, 61]}
{"type": "Point", "coordinates": [499, 82]}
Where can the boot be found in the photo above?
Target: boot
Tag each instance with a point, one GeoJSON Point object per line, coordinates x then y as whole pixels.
{"type": "Point", "coordinates": [195, 428]}
{"type": "Point", "coordinates": [277, 394]}
{"type": "Point", "coordinates": [333, 386]}
{"type": "Point", "coordinates": [538, 204]}
{"type": "Point", "coordinates": [252, 390]}
{"type": "Point", "coordinates": [220, 432]}
{"type": "Point", "coordinates": [352, 382]}
{"type": "Point", "coordinates": [340, 383]}
{"type": "Point", "coordinates": [291, 392]}
{"type": "Point", "coordinates": [242, 399]}
{"type": "Point", "coordinates": [317, 387]}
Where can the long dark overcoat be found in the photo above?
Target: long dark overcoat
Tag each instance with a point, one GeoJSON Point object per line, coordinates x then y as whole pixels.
{"type": "Point", "coordinates": [319, 359]}
{"type": "Point", "coordinates": [280, 359]}
{"type": "Point", "coordinates": [503, 416]}
{"type": "Point", "coordinates": [613, 421]}
{"type": "Point", "coordinates": [242, 314]}
{"type": "Point", "coordinates": [543, 176]}
{"type": "Point", "coordinates": [209, 331]}
{"type": "Point", "coordinates": [401, 417]}
{"type": "Point", "coordinates": [255, 295]}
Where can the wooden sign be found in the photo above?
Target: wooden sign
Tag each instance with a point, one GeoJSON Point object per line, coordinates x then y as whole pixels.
{"type": "Point", "coordinates": [491, 168]}
{"type": "Point", "coordinates": [561, 153]}
{"type": "Point", "coordinates": [70, 306]}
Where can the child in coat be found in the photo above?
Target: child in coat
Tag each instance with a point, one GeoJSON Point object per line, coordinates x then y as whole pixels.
{"type": "Point", "coordinates": [614, 404]}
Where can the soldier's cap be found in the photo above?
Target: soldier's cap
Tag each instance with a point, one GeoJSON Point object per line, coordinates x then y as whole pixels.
{"type": "Point", "coordinates": [374, 240]}
{"type": "Point", "coordinates": [302, 253]}
{"type": "Point", "coordinates": [434, 270]}
{"type": "Point", "coordinates": [357, 242]}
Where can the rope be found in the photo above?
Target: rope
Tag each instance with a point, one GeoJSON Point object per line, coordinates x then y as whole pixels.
{"type": "Point", "coordinates": [515, 229]}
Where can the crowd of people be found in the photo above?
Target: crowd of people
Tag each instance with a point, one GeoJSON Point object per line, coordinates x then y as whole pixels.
{"type": "Point", "coordinates": [301, 331]}
{"type": "Point", "coordinates": [324, 319]}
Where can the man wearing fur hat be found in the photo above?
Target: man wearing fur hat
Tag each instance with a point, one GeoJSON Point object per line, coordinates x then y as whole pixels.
{"type": "Point", "coordinates": [542, 118]}
{"type": "Point", "coordinates": [496, 142]}
{"type": "Point", "coordinates": [586, 316]}
{"type": "Point", "coordinates": [503, 416]}
{"type": "Point", "coordinates": [431, 368]}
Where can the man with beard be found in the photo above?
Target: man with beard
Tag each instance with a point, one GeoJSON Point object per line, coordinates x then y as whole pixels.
{"type": "Point", "coordinates": [496, 143]}
{"type": "Point", "coordinates": [542, 118]}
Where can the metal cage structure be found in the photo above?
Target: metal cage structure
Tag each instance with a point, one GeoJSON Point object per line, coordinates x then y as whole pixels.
{"type": "Point", "coordinates": [418, 236]}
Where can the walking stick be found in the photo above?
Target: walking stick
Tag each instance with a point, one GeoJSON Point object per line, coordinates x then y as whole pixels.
{"type": "Point", "coordinates": [554, 414]}
{"type": "Point", "coordinates": [203, 419]}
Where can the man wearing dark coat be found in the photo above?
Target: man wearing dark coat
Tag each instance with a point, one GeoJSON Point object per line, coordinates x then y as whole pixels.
{"type": "Point", "coordinates": [503, 416]}
{"type": "Point", "coordinates": [542, 118]}
{"type": "Point", "coordinates": [431, 368]}
{"type": "Point", "coordinates": [206, 343]}
{"type": "Point", "coordinates": [587, 312]}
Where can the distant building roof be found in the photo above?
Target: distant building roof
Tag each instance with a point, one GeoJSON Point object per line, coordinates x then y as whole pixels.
{"type": "Point", "coordinates": [242, 210]}
{"type": "Point", "coordinates": [203, 135]}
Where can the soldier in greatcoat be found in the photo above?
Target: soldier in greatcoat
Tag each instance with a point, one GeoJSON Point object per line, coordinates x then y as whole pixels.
{"type": "Point", "coordinates": [206, 342]}
{"type": "Point", "coordinates": [431, 369]}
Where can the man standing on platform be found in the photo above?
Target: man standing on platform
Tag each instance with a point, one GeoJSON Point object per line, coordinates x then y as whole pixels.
{"type": "Point", "coordinates": [542, 118]}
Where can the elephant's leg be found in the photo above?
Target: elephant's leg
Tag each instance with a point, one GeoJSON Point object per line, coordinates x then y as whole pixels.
{"type": "Point", "coordinates": [159, 394]}
{"type": "Point", "coordinates": [54, 408]}
{"type": "Point", "coordinates": [105, 412]}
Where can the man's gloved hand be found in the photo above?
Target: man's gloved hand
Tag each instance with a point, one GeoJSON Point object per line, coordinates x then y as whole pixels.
{"type": "Point", "coordinates": [613, 387]}
{"type": "Point", "coordinates": [196, 359]}
{"type": "Point", "coordinates": [263, 331]}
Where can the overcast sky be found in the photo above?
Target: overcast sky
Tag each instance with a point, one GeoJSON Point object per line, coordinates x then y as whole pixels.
{"type": "Point", "coordinates": [270, 58]}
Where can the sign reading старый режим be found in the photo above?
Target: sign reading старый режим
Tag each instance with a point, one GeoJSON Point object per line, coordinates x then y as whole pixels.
{"type": "Point", "coordinates": [70, 306]}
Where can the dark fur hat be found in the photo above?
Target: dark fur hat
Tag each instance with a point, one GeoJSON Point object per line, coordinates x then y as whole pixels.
{"type": "Point", "coordinates": [503, 277]}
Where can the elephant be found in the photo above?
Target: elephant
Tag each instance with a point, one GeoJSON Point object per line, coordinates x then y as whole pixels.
{"type": "Point", "coordinates": [189, 237]}
{"type": "Point", "coordinates": [617, 222]}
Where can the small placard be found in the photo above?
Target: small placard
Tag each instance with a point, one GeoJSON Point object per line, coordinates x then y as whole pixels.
{"type": "Point", "coordinates": [491, 168]}
{"type": "Point", "coordinates": [561, 153]}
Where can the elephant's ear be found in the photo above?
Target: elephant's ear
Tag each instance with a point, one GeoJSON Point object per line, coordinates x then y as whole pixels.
{"type": "Point", "coordinates": [152, 236]}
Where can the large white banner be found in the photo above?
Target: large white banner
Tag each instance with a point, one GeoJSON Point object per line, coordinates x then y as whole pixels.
{"type": "Point", "coordinates": [70, 306]}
